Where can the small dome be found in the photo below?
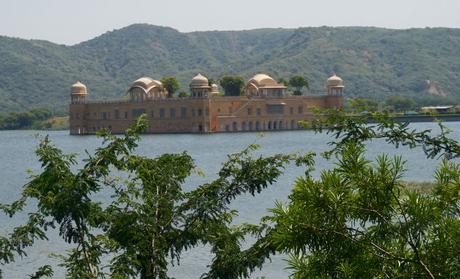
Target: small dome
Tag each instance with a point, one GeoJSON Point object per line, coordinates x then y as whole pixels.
{"type": "Point", "coordinates": [214, 88]}
{"type": "Point", "coordinates": [199, 81]}
{"type": "Point", "coordinates": [334, 81]}
{"type": "Point", "coordinates": [78, 88]}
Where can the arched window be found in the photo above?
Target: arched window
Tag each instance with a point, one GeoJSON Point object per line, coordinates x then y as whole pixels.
{"type": "Point", "coordinates": [257, 126]}
{"type": "Point", "coordinates": [235, 126]}
{"type": "Point", "coordinates": [269, 125]}
{"type": "Point", "coordinates": [280, 125]}
{"type": "Point", "coordinates": [250, 125]}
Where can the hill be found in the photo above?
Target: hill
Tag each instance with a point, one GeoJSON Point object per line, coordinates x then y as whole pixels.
{"type": "Point", "coordinates": [374, 62]}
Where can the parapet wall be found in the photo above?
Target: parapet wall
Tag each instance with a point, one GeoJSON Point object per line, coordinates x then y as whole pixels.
{"type": "Point", "coordinates": [199, 115]}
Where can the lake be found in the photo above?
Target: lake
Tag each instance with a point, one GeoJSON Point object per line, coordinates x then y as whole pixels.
{"type": "Point", "coordinates": [209, 151]}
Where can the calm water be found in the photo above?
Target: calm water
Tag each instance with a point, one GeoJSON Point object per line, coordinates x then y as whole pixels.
{"type": "Point", "coordinates": [17, 155]}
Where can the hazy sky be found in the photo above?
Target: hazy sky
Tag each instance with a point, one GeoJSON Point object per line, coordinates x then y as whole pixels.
{"type": "Point", "coordinates": [70, 22]}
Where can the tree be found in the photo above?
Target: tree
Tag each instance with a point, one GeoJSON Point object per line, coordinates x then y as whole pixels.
{"type": "Point", "coordinates": [183, 94]}
{"type": "Point", "coordinates": [400, 103]}
{"type": "Point", "coordinates": [21, 120]}
{"type": "Point", "coordinates": [150, 219]}
{"type": "Point", "coordinates": [357, 219]}
{"type": "Point", "coordinates": [298, 83]}
{"type": "Point", "coordinates": [211, 81]}
{"type": "Point", "coordinates": [362, 104]}
{"type": "Point", "coordinates": [232, 85]}
{"type": "Point", "coordinates": [283, 81]}
{"type": "Point", "coordinates": [171, 84]}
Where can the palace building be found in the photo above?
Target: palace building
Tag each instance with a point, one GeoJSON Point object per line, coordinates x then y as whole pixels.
{"type": "Point", "coordinates": [265, 106]}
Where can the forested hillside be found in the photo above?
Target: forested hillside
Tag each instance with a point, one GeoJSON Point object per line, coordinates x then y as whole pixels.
{"type": "Point", "coordinates": [374, 62]}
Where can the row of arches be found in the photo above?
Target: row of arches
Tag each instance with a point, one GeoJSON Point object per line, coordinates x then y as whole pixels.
{"type": "Point", "coordinates": [262, 125]}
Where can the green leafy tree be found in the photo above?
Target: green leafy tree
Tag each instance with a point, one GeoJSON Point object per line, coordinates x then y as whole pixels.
{"type": "Point", "coordinates": [171, 84]}
{"type": "Point", "coordinates": [24, 120]}
{"type": "Point", "coordinates": [400, 103]}
{"type": "Point", "coordinates": [15, 243]}
{"type": "Point", "coordinates": [211, 81]}
{"type": "Point", "coordinates": [232, 85]}
{"type": "Point", "coordinates": [362, 104]}
{"type": "Point", "coordinates": [357, 220]}
{"type": "Point", "coordinates": [183, 94]}
{"type": "Point", "coordinates": [149, 221]}
{"type": "Point", "coordinates": [283, 81]}
{"type": "Point", "coordinates": [298, 82]}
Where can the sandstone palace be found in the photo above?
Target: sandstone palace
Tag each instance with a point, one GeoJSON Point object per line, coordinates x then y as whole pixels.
{"type": "Point", "coordinates": [265, 106]}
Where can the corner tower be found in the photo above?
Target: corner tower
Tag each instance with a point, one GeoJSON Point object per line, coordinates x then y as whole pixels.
{"type": "Point", "coordinates": [334, 98]}
{"type": "Point", "coordinates": [78, 93]}
{"type": "Point", "coordinates": [334, 85]}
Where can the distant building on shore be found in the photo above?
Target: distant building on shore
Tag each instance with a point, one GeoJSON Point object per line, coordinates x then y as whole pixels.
{"type": "Point", "coordinates": [437, 109]}
{"type": "Point", "coordinates": [264, 107]}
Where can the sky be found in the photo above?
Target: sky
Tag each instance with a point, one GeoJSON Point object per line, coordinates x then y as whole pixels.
{"type": "Point", "coordinates": [70, 22]}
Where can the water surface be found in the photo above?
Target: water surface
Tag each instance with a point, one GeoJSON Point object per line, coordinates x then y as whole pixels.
{"type": "Point", "coordinates": [209, 151]}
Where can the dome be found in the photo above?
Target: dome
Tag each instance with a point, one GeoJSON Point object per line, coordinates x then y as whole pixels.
{"type": "Point", "coordinates": [146, 83]}
{"type": "Point", "coordinates": [78, 88]}
{"type": "Point", "coordinates": [334, 81]}
{"type": "Point", "coordinates": [214, 89]}
{"type": "Point", "coordinates": [263, 80]}
{"type": "Point", "coordinates": [199, 81]}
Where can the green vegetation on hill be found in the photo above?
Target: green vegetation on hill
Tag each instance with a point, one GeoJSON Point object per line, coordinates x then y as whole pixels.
{"type": "Point", "coordinates": [374, 62]}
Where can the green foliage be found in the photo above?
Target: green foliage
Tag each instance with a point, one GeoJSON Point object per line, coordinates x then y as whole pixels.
{"type": "Point", "coordinates": [211, 81]}
{"type": "Point", "coordinates": [171, 84]}
{"type": "Point", "coordinates": [357, 105]}
{"type": "Point", "coordinates": [183, 94]}
{"type": "Point", "coordinates": [232, 85]}
{"type": "Point", "coordinates": [298, 82]}
{"type": "Point", "coordinates": [44, 271]}
{"type": "Point", "coordinates": [22, 237]}
{"type": "Point", "coordinates": [358, 221]}
{"type": "Point", "coordinates": [374, 62]}
{"type": "Point", "coordinates": [283, 81]}
{"type": "Point", "coordinates": [24, 120]}
{"type": "Point", "coordinates": [149, 220]}
{"type": "Point", "coordinates": [400, 103]}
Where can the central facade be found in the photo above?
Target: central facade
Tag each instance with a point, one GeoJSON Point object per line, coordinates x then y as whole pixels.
{"type": "Point", "coordinates": [265, 106]}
